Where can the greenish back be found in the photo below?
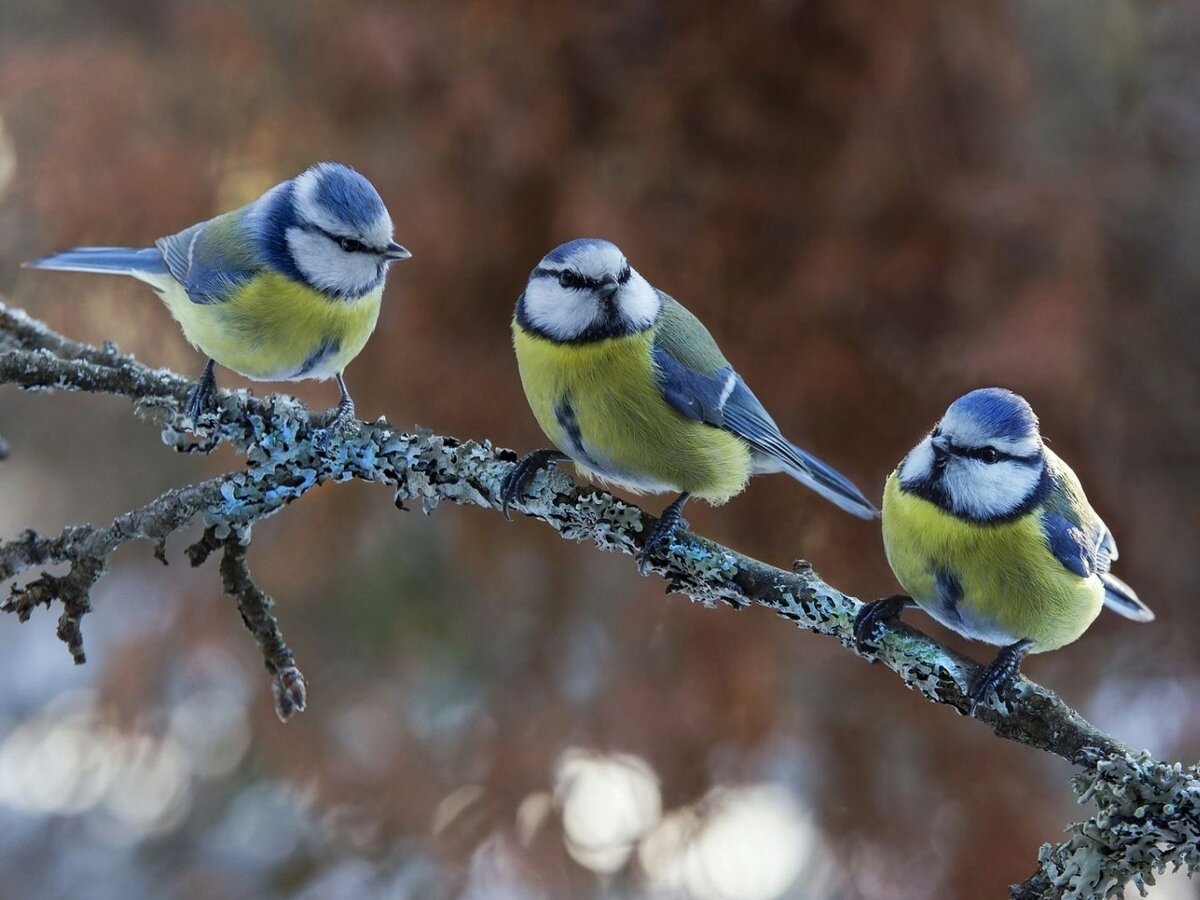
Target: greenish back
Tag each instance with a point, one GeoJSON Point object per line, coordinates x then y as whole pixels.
{"type": "Point", "coordinates": [213, 258]}
{"type": "Point", "coordinates": [684, 336]}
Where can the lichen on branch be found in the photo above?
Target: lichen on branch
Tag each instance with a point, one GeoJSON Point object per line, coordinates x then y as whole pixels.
{"type": "Point", "coordinates": [1148, 811]}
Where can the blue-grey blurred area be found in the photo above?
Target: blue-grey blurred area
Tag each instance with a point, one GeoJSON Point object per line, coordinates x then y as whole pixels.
{"type": "Point", "coordinates": [875, 207]}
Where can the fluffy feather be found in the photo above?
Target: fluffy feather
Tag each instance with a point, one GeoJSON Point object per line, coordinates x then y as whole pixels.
{"type": "Point", "coordinates": [629, 435]}
{"type": "Point", "coordinates": [267, 290]}
{"type": "Point", "coordinates": [1012, 586]}
{"type": "Point", "coordinates": [572, 314]}
{"type": "Point", "coordinates": [983, 505]}
{"type": "Point", "coordinates": [629, 384]}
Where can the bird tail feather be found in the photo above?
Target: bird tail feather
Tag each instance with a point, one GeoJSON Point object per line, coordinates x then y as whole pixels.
{"type": "Point", "coordinates": [105, 260]}
{"type": "Point", "coordinates": [828, 482]}
{"type": "Point", "coordinates": [1121, 599]}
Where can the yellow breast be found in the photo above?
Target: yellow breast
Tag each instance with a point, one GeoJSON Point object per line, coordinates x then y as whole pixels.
{"type": "Point", "coordinates": [276, 329]}
{"type": "Point", "coordinates": [599, 403]}
{"type": "Point", "coordinates": [1009, 585]}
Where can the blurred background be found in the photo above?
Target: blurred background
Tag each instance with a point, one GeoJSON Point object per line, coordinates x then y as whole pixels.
{"type": "Point", "coordinates": [875, 207]}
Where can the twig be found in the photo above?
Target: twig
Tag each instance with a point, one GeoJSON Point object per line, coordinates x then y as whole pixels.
{"type": "Point", "coordinates": [1149, 811]}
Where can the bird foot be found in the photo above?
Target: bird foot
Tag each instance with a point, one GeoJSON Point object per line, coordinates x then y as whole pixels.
{"type": "Point", "coordinates": [200, 399]}
{"type": "Point", "coordinates": [340, 418]}
{"type": "Point", "coordinates": [520, 475]}
{"type": "Point", "coordinates": [660, 537]}
{"type": "Point", "coordinates": [878, 613]}
{"type": "Point", "coordinates": [999, 675]}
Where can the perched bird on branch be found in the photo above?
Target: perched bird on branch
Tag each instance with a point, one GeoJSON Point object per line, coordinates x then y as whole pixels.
{"type": "Point", "coordinates": [283, 289]}
{"type": "Point", "coordinates": [631, 387]}
{"type": "Point", "coordinates": [991, 534]}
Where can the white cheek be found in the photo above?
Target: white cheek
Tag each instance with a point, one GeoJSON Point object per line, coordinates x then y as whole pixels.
{"type": "Point", "coordinates": [329, 268]}
{"type": "Point", "coordinates": [562, 314]}
{"type": "Point", "coordinates": [985, 491]}
{"type": "Point", "coordinates": [918, 465]}
{"type": "Point", "coordinates": [638, 302]}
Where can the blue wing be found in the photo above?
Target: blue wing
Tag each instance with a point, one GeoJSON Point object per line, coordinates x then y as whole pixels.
{"type": "Point", "coordinates": [695, 394]}
{"type": "Point", "coordinates": [1070, 546]}
{"type": "Point", "coordinates": [212, 259]}
{"type": "Point", "coordinates": [722, 399]}
{"type": "Point", "coordinates": [1080, 540]}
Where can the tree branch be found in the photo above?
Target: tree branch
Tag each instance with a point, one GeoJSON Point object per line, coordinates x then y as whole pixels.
{"type": "Point", "coordinates": [1148, 811]}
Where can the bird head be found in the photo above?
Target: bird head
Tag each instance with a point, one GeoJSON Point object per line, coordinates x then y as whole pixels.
{"type": "Point", "coordinates": [983, 461]}
{"type": "Point", "coordinates": [585, 290]}
{"type": "Point", "coordinates": [329, 227]}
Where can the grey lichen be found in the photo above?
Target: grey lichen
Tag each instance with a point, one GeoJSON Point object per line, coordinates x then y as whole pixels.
{"type": "Point", "coordinates": [1147, 820]}
{"type": "Point", "coordinates": [1148, 811]}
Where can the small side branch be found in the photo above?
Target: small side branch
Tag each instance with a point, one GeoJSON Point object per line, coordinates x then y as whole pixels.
{"type": "Point", "coordinates": [287, 682]}
{"type": "Point", "coordinates": [85, 550]}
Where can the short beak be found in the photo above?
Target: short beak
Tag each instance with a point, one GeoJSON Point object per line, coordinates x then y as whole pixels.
{"type": "Point", "coordinates": [608, 290]}
{"type": "Point", "coordinates": [394, 251]}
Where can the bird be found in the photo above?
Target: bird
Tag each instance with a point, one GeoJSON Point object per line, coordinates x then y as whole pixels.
{"type": "Point", "coordinates": [285, 288]}
{"type": "Point", "coordinates": [990, 532]}
{"type": "Point", "coordinates": [632, 388]}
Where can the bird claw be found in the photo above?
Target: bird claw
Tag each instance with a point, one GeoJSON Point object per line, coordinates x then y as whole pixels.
{"type": "Point", "coordinates": [200, 397]}
{"type": "Point", "coordinates": [340, 418]}
{"type": "Point", "coordinates": [199, 401]}
{"type": "Point", "coordinates": [660, 538]}
{"type": "Point", "coordinates": [513, 487]}
{"type": "Point", "coordinates": [878, 613]}
{"type": "Point", "coordinates": [999, 676]}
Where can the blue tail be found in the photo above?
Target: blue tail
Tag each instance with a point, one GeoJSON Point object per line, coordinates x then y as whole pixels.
{"type": "Point", "coordinates": [118, 260]}
{"type": "Point", "coordinates": [1120, 598]}
{"type": "Point", "coordinates": [828, 482]}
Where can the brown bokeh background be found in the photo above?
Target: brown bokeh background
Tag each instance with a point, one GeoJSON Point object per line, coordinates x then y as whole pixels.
{"type": "Point", "coordinates": [874, 207]}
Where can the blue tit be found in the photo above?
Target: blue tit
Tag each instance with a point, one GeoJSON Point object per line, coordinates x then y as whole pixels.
{"type": "Point", "coordinates": [991, 534]}
{"type": "Point", "coordinates": [286, 288]}
{"type": "Point", "coordinates": [633, 389]}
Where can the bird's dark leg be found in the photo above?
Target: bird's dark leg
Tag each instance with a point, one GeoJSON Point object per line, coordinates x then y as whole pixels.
{"type": "Point", "coordinates": [658, 541]}
{"type": "Point", "coordinates": [342, 414]}
{"type": "Point", "coordinates": [881, 611]}
{"type": "Point", "coordinates": [518, 477]}
{"type": "Point", "coordinates": [999, 674]}
{"type": "Point", "coordinates": [200, 397]}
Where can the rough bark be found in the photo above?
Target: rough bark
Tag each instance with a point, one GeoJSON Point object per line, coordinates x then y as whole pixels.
{"type": "Point", "coordinates": [1148, 811]}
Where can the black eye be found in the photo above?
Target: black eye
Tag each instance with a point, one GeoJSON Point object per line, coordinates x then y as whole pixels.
{"type": "Point", "coordinates": [350, 245]}
{"type": "Point", "coordinates": [625, 274]}
{"type": "Point", "coordinates": [568, 279]}
{"type": "Point", "coordinates": [989, 455]}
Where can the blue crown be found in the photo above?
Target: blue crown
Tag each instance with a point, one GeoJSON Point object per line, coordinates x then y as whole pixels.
{"type": "Point", "coordinates": [998, 412]}
{"type": "Point", "coordinates": [347, 194]}
{"type": "Point", "coordinates": [563, 252]}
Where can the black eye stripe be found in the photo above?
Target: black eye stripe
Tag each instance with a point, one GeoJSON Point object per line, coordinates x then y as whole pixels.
{"type": "Point", "coordinates": [572, 280]}
{"type": "Point", "coordinates": [339, 239]}
{"type": "Point", "coordinates": [984, 453]}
